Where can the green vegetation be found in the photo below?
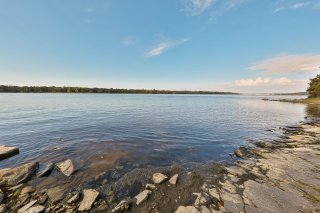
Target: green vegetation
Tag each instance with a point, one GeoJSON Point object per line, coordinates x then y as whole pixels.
{"type": "Point", "coordinates": [53, 89]}
{"type": "Point", "coordinates": [314, 87]}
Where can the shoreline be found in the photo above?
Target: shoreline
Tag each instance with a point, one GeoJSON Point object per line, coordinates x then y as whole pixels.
{"type": "Point", "coordinates": [313, 101]}
{"type": "Point", "coordinates": [274, 176]}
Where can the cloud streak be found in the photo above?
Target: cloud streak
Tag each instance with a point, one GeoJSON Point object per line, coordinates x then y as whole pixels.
{"type": "Point", "coordinates": [162, 47]}
{"type": "Point", "coordinates": [289, 64]}
{"type": "Point", "coordinates": [265, 82]}
{"type": "Point", "coordinates": [293, 6]}
{"type": "Point", "coordinates": [196, 7]}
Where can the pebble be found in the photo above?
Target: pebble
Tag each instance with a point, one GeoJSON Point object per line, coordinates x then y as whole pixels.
{"type": "Point", "coordinates": [173, 180]}
{"type": "Point", "coordinates": [142, 196]}
{"type": "Point", "coordinates": [3, 208]}
{"type": "Point", "coordinates": [27, 189]}
{"type": "Point", "coordinates": [35, 209]}
{"type": "Point", "coordinates": [73, 199]}
{"type": "Point", "coordinates": [121, 207]}
{"type": "Point", "coordinates": [187, 209]}
{"type": "Point", "coordinates": [66, 167]}
{"type": "Point", "coordinates": [159, 178]}
{"type": "Point", "coordinates": [26, 207]}
{"type": "Point", "coordinates": [89, 197]}
{"type": "Point", "coordinates": [150, 186]}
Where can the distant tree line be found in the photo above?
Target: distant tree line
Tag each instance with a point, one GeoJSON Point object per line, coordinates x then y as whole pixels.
{"type": "Point", "coordinates": [53, 89]}
{"type": "Point", "coordinates": [314, 87]}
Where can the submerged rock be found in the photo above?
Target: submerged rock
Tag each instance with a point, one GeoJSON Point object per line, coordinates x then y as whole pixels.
{"type": "Point", "coordinates": [56, 194]}
{"type": "Point", "coordinates": [6, 151]}
{"type": "Point", "coordinates": [173, 180]}
{"type": "Point", "coordinates": [89, 197]}
{"type": "Point", "coordinates": [21, 174]}
{"type": "Point", "coordinates": [142, 196]}
{"type": "Point", "coordinates": [46, 171]}
{"type": "Point", "coordinates": [159, 178]}
{"type": "Point", "coordinates": [66, 167]}
{"type": "Point", "coordinates": [242, 152]}
{"type": "Point", "coordinates": [187, 209]}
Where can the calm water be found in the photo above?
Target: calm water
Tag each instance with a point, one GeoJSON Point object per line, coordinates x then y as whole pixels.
{"type": "Point", "coordinates": [149, 129]}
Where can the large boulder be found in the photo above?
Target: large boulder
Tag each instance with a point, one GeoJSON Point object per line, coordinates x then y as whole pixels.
{"type": "Point", "coordinates": [21, 174]}
{"type": "Point", "coordinates": [6, 152]}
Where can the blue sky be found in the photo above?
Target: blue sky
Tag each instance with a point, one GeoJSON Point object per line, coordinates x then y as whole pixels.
{"type": "Point", "coordinates": [234, 45]}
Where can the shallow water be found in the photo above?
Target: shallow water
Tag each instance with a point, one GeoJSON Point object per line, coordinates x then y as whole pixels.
{"type": "Point", "coordinates": [147, 130]}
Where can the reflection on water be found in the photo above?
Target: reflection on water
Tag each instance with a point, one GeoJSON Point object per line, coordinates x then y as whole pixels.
{"type": "Point", "coordinates": [107, 130]}
{"type": "Point", "coordinates": [313, 111]}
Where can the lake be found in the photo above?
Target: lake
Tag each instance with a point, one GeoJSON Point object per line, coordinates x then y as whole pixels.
{"type": "Point", "coordinates": [143, 130]}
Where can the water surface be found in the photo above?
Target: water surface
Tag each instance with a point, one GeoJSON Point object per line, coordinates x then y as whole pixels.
{"type": "Point", "coordinates": [147, 130]}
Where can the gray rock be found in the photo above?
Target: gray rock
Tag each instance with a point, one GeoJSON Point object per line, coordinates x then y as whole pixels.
{"type": "Point", "coordinates": [3, 208]}
{"type": "Point", "coordinates": [187, 209]}
{"type": "Point", "coordinates": [142, 196]}
{"type": "Point", "coordinates": [26, 207]}
{"type": "Point", "coordinates": [173, 180]}
{"type": "Point", "coordinates": [74, 198]}
{"type": "Point", "coordinates": [1, 196]}
{"type": "Point", "coordinates": [150, 186]}
{"type": "Point", "coordinates": [46, 170]}
{"type": "Point", "coordinates": [89, 197]}
{"type": "Point", "coordinates": [35, 209]}
{"type": "Point", "coordinates": [121, 207]}
{"type": "Point", "coordinates": [17, 175]}
{"type": "Point", "coordinates": [56, 194]}
{"type": "Point", "coordinates": [6, 152]}
{"type": "Point", "coordinates": [66, 167]}
{"type": "Point", "coordinates": [159, 178]}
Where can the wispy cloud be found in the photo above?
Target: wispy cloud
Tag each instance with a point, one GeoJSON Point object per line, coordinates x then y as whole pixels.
{"type": "Point", "coordinates": [299, 5]}
{"type": "Point", "coordinates": [262, 85]}
{"type": "Point", "coordinates": [289, 5]}
{"type": "Point", "coordinates": [196, 7]}
{"type": "Point", "coordinates": [289, 64]}
{"type": "Point", "coordinates": [161, 47]}
{"type": "Point", "coordinates": [264, 82]}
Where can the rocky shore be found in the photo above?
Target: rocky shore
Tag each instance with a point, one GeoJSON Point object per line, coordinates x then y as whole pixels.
{"type": "Point", "coordinates": [267, 176]}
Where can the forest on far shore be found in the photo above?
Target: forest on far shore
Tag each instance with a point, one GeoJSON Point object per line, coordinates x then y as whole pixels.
{"type": "Point", "coordinates": [53, 89]}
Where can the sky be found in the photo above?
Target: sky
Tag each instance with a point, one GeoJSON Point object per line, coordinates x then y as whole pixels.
{"type": "Point", "coordinates": [249, 46]}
